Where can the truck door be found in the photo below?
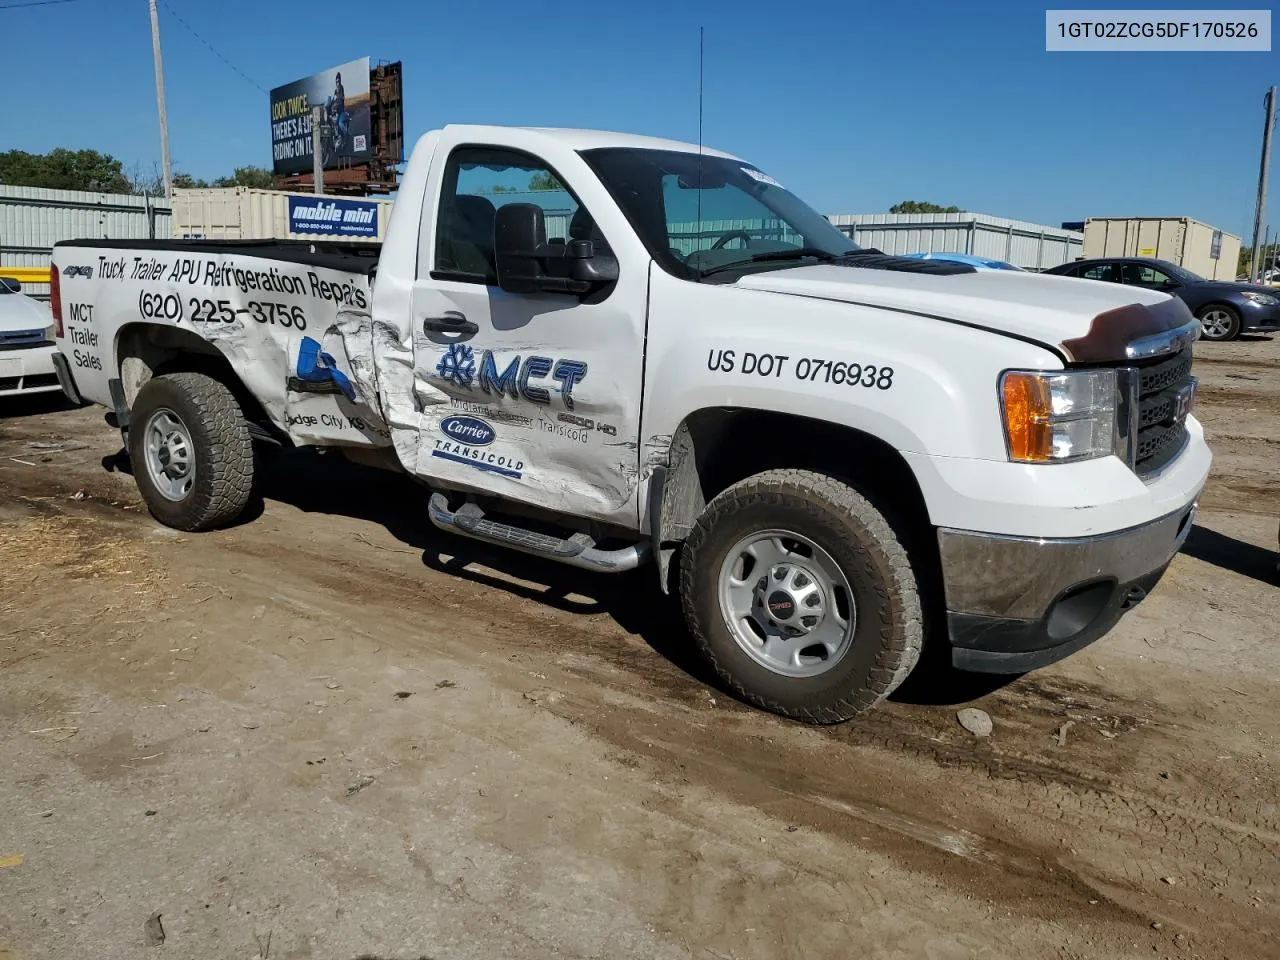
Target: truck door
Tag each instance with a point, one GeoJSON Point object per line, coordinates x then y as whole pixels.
{"type": "Point", "coordinates": [535, 398]}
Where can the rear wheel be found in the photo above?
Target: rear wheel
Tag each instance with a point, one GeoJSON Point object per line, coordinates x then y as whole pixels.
{"type": "Point", "coordinates": [191, 452]}
{"type": "Point", "coordinates": [801, 597]}
{"type": "Point", "coordinates": [1218, 322]}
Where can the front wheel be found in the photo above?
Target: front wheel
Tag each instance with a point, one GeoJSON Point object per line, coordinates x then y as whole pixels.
{"type": "Point", "coordinates": [1218, 322]}
{"type": "Point", "coordinates": [801, 596]}
{"type": "Point", "coordinates": [191, 452]}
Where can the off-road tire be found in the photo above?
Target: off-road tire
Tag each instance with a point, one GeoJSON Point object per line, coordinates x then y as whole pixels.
{"type": "Point", "coordinates": [223, 452]}
{"type": "Point", "coordinates": [888, 633]}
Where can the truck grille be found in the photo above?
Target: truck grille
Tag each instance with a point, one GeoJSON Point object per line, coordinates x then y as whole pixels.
{"type": "Point", "coordinates": [32, 382]}
{"type": "Point", "coordinates": [1165, 388]}
{"type": "Point", "coordinates": [19, 339]}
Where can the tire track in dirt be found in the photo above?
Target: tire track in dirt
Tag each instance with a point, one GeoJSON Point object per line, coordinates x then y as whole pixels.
{"type": "Point", "coordinates": [1002, 820]}
{"type": "Point", "coordinates": [1242, 362]}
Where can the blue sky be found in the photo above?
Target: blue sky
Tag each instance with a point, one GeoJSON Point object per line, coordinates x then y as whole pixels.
{"type": "Point", "coordinates": [852, 105]}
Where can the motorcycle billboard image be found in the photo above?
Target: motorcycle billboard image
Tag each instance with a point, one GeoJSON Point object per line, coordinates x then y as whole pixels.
{"type": "Point", "coordinates": [345, 138]}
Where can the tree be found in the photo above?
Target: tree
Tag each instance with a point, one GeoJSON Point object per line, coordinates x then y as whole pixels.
{"type": "Point", "coordinates": [185, 181]}
{"type": "Point", "coordinates": [1268, 258]}
{"type": "Point", "coordinates": [62, 169]}
{"type": "Point", "coordinates": [921, 206]}
{"type": "Point", "coordinates": [150, 183]}
{"type": "Point", "coordinates": [542, 180]}
{"type": "Point", "coordinates": [257, 178]}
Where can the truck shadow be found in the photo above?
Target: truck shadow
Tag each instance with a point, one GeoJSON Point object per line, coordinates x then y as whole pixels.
{"type": "Point", "coordinates": [34, 405]}
{"type": "Point", "coordinates": [330, 484]}
{"type": "Point", "coordinates": [1228, 553]}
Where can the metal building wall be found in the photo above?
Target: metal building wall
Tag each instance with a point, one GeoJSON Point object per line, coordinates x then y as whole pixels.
{"type": "Point", "coordinates": [33, 219]}
{"type": "Point", "coordinates": [687, 237]}
{"type": "Point", "coordinates": [1033, 246]}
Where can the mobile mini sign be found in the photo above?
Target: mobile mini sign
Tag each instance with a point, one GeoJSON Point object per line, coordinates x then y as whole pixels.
{"type": "Point", "coordinates": [339, 218]}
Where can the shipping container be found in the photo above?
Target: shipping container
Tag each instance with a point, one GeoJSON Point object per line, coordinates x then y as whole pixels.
{"type": "Point", "coordinates": [1199, 247]}
{"type": "Point", "coordinates": [241, 213]}
{"type": "Point", "coordinates": [33, 219]}
{"type": "Point", "coordinates": [1032, 246]}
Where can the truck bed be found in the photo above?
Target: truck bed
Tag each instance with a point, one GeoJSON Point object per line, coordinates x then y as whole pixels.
{"type": "Point", "coordinates": [281, 312]}
{"type": "Point", "coordinates": [330, 254]}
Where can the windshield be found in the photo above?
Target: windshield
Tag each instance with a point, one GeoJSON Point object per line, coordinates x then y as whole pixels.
{"type": "Point", "coordinates": [1177, 272]}
{"type": "Point", "coordinates": [739, 220]}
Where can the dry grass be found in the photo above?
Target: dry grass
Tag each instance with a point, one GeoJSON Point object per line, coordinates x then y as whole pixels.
{"type": "Point", "coordinates": [78, 547]}
{"type": "Point", "coordinates": [71, 581]}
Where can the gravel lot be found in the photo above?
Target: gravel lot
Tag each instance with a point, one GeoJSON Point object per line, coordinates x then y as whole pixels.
{"type": "Point", "coordinates": [331, 732]}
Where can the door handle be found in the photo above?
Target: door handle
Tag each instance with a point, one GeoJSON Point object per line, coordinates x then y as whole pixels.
{"type": "Point", "coordinates": [450, 327]}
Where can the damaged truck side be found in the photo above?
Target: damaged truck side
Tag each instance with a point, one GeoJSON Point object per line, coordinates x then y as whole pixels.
{"type": "Point", "coordinates": [607, 350]}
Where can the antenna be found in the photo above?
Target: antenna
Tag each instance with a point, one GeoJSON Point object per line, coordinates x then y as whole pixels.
{"type": "Point", "coordinates": [698, 240]}
{"type": "Point", "coordinates": [700, 63]}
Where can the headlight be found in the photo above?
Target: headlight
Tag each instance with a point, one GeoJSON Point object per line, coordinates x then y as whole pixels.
{"type": "Point", "coordinates": [1261, 299]}
{"type": "Point", "coordinates": [1059, 417]}
{"type": "Point", "coordinates": [51, 333]}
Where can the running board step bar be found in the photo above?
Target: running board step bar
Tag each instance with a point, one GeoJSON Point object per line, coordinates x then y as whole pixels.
{"type": "Point", "coordinates": [579, 550]}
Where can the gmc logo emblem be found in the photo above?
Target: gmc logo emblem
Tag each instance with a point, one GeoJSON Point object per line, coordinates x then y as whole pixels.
{"type": "Point", "coordinates": [1183, 401]}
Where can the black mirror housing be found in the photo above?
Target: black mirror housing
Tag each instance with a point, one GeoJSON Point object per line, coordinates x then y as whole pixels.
{"type": "Point", "coordinates": [526, 263]}
{"type": "Point", "coordinates": [519, 229]}
{"type": "Point", "coordinates": [597, 270]}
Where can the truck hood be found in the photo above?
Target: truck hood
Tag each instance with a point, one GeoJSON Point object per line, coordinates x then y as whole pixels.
{"type": "Point", "coordinates": [22, 313]}
{"type": "Point", "coordinates": [1085, 320]}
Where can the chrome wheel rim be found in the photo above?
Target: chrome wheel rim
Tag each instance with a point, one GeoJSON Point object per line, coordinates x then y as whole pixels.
{"type": "Point", "coordinates": [787, 603]}
{"type": "Point", "coordinates": [170, 458]}
{"type": "Point", "coordinates": [1216, 324]}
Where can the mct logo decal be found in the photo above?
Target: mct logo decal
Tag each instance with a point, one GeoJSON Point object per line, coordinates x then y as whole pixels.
{"type": "Point", "coordinates": [458, 366]}
{"type": "Point", "coordinates": [466, 429]}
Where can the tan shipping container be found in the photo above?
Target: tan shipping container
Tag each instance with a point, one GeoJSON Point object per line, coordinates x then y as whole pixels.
{"type": "Point", "coordinates": [1202, 249]}
{"type": "Point", "coordinates": [241, 213]}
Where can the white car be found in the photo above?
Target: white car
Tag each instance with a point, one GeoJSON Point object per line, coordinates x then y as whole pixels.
{"type": "Point", "coordinates": [26, 343]}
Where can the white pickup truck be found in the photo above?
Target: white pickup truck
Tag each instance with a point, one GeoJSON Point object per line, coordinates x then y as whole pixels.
{"type": "Point", "coordinates": [607, 350]}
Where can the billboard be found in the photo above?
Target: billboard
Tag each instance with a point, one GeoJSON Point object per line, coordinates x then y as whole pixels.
{"type": "Point", "coordinates": [345, 137]}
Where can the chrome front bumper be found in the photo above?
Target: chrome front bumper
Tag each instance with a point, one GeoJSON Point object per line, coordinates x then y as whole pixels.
{"type": "Point", "coordinates": [1015, 603]}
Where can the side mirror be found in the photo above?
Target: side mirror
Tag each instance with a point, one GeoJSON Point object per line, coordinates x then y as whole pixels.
{"type": "Point", "coordinates": [519, 229]}
{"type": "Point", "coordinates": [13, 285]}
{"type": "Point", "coordinates": [527, 263]}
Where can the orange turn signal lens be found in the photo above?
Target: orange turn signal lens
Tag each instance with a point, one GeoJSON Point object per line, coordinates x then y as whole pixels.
{"type": "Point", "coordinates": [1028, 410]}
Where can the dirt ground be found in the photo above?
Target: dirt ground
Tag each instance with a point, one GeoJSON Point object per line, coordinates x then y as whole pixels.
{"type": "Point", "coordinates": [332, 732]}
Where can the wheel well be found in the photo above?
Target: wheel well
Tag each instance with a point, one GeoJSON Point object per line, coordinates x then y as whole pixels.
{"type": "Point", "coordinates": [146, 350]}
{"type": "Point", "coordinates": [715, 448]}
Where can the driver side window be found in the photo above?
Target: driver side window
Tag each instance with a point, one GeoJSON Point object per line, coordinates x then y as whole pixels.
{"type": "Point", "coordinates": [1141, 275]}
{"type": "Point", "coordinates": [1102, 271]}
{"type": "Point", "coordinates": [478, 181]}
